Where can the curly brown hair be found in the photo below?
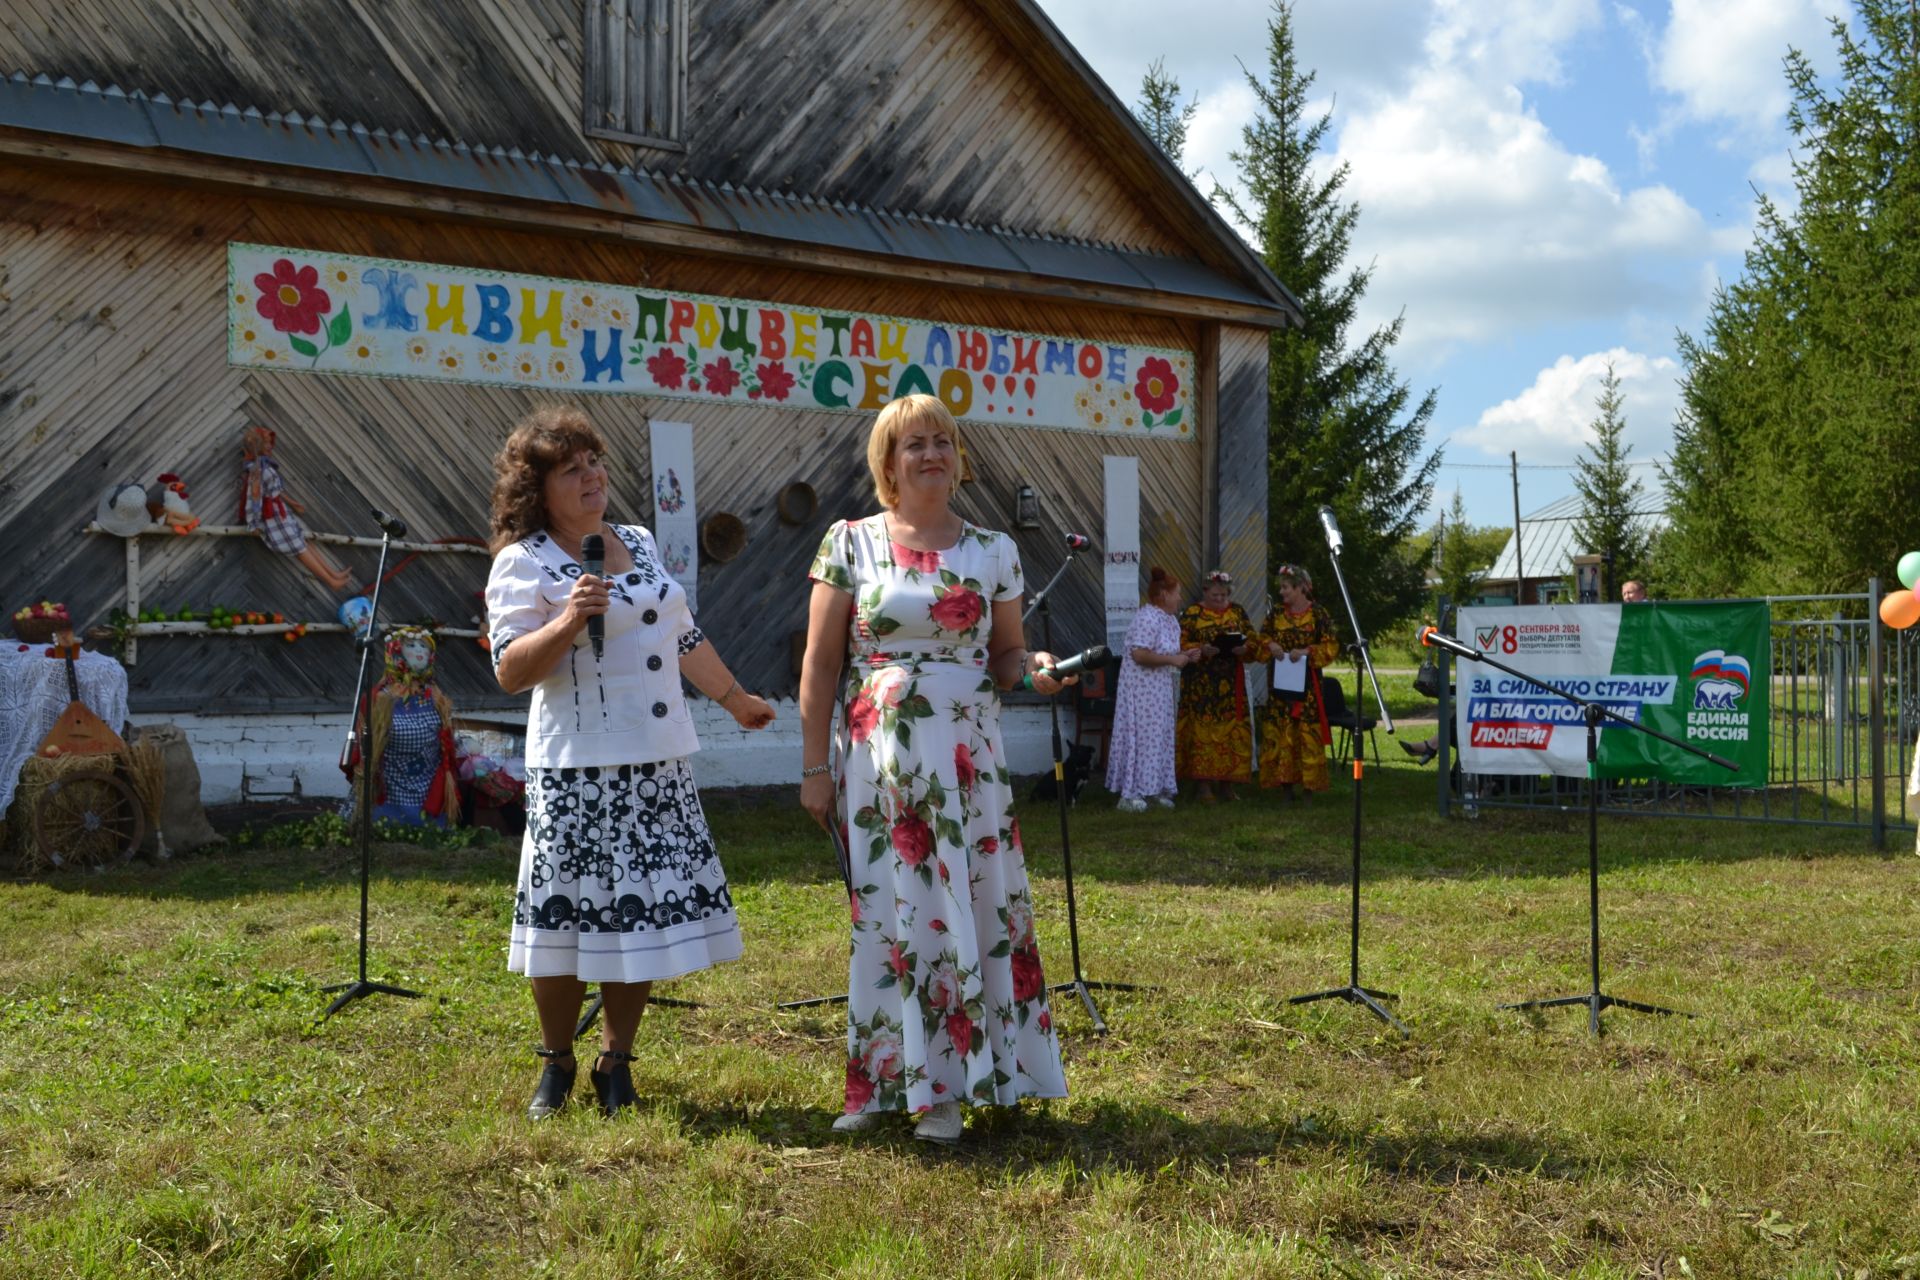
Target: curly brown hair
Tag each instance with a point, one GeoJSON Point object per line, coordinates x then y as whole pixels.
{"type": "Point", "coordinates": [544, 439]}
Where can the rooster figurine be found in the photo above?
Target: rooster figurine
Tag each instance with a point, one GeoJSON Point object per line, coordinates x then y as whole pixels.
{"type": "Point", "coordinates": [167, 500]}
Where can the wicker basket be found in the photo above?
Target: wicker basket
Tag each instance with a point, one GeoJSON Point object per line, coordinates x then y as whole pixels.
{"type": "Point", "coordinates": [40, 630]}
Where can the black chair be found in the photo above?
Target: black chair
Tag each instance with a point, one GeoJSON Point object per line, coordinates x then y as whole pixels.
{"type": "Point", "coordinates": [1347, 722]}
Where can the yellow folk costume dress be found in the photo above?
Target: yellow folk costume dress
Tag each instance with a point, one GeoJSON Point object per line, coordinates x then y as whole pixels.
{"type": "Point", "coordinates": [1293, 733]}
{"type": "Point", "coordinates": [1213, 737]}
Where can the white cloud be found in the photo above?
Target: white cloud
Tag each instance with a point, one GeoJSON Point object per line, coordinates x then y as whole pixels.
{"type": "Point", "coordinates": [1722, 58]}
{"type": "Point", "coordinates": [1551, 420]}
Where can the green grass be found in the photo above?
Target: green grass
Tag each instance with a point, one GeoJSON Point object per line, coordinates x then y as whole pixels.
{"type": "Point", "coordinates": [168, 1108]}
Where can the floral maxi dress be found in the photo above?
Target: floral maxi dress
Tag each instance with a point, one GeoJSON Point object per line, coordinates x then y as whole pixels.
{"type": "Point", "coordinates": [946, 997]}
{"type": "Point", "coordinates": [1140, 750]}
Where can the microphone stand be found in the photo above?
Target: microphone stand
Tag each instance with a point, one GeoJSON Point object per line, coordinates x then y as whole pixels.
{"type": "Point", "coordinates": [1079, 986]}
{"type": "Point", "coordinates": [1594, 714]}
{"type": "Point", "coordinates": [846, 878]}
{"type": "Point", "coordinates": [1353, 992]}
{"type": "Point", "coordinates": [359, 734]}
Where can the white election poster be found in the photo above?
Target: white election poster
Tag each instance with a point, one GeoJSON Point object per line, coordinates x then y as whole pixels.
{"type": "Point", "coordinates": [1503, 724]}
{"type": "Point", "coordinates": [676, 525]}
{"type": "Point", "coordinates": [1122, 548]}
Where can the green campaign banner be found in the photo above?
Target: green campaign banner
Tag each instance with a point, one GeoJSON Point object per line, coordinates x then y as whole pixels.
{"type": "Point", "coordinates": [1701, 673]}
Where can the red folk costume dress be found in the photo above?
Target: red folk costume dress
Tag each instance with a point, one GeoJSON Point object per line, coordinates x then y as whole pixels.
{"type": "Point", "coordinates": [946, 1000]}
{"type": "Point", "coordinates": [1293, 732]}
{"type": "Point", "coordinates": [1213, 739]}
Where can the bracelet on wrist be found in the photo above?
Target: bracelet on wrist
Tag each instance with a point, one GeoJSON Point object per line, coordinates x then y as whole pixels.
{"type": "Point", "coordinates": [731, 690]}
{"type": "Point", "coordinates": [814, 770]}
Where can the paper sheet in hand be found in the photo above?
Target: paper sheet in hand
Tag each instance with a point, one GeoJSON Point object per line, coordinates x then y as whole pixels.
{"type": "Point", "coordinates": [1290, 677]}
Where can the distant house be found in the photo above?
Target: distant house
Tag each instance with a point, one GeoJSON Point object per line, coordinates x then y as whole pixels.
{"type": "Point", "coordinates": [1547, 547]}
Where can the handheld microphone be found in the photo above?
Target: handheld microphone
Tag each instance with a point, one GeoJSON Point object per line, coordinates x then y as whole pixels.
{"type": "Point", "coordinates": [1332, 527]}
{"type": "Point", "coordinates": [392, 526]}
{"type": "Point", "coordinates": [1094, 657]}
{"type": "Point", "coordinates": [593, 559]}
{"type": "Point", "coordinates": [1434, 638]}
{"type": "Point", "coordinates": [1078, 542]}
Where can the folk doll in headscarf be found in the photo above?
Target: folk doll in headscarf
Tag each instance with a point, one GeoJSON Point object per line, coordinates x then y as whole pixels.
{"type": "Point", "coordinates": [414, 777]}
{"type": "Point", "coordinates": [1293, 728]}
{"type": "Point", "coordinates": [265, 508]}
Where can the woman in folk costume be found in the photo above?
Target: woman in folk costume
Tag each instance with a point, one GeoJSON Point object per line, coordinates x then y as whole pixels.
{"type": "Point", "coordinates": [411, 725]}
{"type": "Point", "coordinates": [1213, 742]}
{"type": "Point", "coordinates": [1293, 730]}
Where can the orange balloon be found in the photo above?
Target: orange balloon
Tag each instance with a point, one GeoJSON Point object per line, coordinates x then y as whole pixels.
{"type": "Point", "coordinates": [1900, 609]}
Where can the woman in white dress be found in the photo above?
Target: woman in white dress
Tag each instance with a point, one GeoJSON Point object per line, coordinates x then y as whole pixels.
{"type": "Point", "coordinates": [619, 881]}
{"type": "Point", "coordinates": [946, 999]}
{"type": "Point", "coordinates": [1140, 747]}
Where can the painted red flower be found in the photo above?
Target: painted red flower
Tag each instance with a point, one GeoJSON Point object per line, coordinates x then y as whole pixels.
{"type": "Point", "coordinates": [918, 561]}
{"type": "Point", "coordinates": [291, 297]}
{"type": "Point", "coordinates": [862, 716]}
{"type": "Point", "coordinates": [1013, 831]}
{"type": "Point", "coordinates": [667, 369]}
{"type": "Point", "coordinates": [722, 377]}
{"type": "Point", "coordinates": [1156, 385]}
{"type": "Point", "coordinates": [1028, 981]}
{"type": "Point", "coordinates": [1046, 1021]}
{"type": "Point", "coordinates": [775, 381]}
{"type": "Point", "coordinates": [963, 766]}
{"type": "Point", "coordinates": [960, 1030]}
{"type": "Point", "coordinates": [859, 1088]}
{"type": "Point", "coordinates": [958, 610]}
{"type": "Point", "coordinates": [912, 839]}
{"type": "Point", "coordinates": [988, 844]}
{"type": "Point", "coordinates": [897, 961]}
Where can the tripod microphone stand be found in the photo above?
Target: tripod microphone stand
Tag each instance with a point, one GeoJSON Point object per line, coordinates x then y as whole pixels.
{"type": "Point", "coordinates": [1353, 992]}
{"type": "Point", "coordinates": [1079, 986]}
{"type": "Point", "coordinates": [1594, 714]}
{"type": "Point", "coordinates": [359, 736]}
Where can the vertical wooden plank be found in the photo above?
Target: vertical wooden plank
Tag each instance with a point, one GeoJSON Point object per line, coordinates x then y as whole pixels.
{"type": "Point", "coordinates": [1241, 522]}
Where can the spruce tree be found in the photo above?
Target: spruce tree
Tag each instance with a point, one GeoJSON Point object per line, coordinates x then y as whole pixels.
{"type": "Point", "coordinates": [1343, 428]}
{"type": "Point", "coordinates": [1610, 494]}
{"type": "Point", "coordinates": [1462, 558]}
{"type": "Point", "coordinates": [1796, 465]}
{"type": "Point", "coordinates": [1161, 112]}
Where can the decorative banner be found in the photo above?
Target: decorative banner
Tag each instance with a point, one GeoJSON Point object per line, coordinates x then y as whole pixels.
{"type": "Point", "coordinates": [1123, 548]}
{"type": "Point", "coordinates": [334, 313]}
{"type": "Point", "coordinates": [1697, 672]}
{"type": "Point", "coordinates": [676, 523]}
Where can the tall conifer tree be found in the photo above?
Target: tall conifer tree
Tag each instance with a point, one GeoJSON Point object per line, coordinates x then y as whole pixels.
{"type": "Point", "coordinates": [1343, 428]}
{"type": "Point", "coordinates": [1610, 493]}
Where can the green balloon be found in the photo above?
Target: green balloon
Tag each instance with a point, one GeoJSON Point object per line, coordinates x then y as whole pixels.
{"type": "Point", "coordinates": [1909, 569]}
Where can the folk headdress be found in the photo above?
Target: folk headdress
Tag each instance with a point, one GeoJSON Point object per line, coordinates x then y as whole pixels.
{"type": "Point", "coordinates": [402, 678]}
{"type": "Point", "coordinates": [1219, 577]}
{"type": "Point", "coordinates": [1294, 574]}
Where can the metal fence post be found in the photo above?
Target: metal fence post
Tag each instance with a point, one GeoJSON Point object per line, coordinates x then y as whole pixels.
{"type": "Point", "coordinates": [1876, 714]}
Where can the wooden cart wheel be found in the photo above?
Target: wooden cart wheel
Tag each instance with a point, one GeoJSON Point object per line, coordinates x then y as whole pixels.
{"type": "Point", "coordinates": [88, 821]}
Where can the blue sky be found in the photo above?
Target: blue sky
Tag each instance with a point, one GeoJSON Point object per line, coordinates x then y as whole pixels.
{"type": "Point", "coordinates": [1544, 185]}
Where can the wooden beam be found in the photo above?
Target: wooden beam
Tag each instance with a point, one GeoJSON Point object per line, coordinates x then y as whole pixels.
{"type": "Point", "coordinates": [377, 195]}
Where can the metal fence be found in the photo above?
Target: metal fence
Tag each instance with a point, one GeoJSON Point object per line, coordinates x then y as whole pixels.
{"type": "Point", "coordinates": [1845, 709]}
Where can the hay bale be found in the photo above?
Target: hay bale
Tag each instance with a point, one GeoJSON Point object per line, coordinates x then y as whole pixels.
{"type": "Point", "coordinates": [182, 819]}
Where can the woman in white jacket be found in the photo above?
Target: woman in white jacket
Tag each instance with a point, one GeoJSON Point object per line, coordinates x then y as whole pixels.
{"type": "Point", "coordinates": [619, 881]}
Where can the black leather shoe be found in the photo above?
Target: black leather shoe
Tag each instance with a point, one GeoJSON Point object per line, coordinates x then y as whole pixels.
{"type": "Point", "coordinates": [556, 1082]}
{"type": "Point", "coordinates": [614, 1086]}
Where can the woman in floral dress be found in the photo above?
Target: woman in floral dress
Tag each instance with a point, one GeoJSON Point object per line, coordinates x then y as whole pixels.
{"type": "Point", "coordinates": [1140, 748]}
{"type": "Point", "coordinates": [1214, 738]}
{"type": "Point", "coordinates": [947, 1003]}
{"type": "Point", "coordinates": [1293, 731]}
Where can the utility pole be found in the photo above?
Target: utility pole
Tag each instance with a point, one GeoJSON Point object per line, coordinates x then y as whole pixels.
{"type": "Point", "coordinates": [1519, 565]}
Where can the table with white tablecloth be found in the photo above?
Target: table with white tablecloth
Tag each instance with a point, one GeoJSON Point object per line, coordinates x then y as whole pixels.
{"type": "Point", "coordinates": [33, 693]}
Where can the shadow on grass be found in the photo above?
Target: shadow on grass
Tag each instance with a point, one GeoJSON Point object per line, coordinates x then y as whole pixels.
{"type": "Point", "coordinates": [1258, 840]}
{"type": "Point", "coordinates": [1145, 1138]}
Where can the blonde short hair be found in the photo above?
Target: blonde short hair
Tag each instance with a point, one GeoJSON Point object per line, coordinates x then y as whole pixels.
{"type": "Point", "coordinates": [897, 419]}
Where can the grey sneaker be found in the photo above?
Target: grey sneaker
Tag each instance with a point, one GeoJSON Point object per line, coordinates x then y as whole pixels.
{"type": "Point", "coordinates": [1131, 804]}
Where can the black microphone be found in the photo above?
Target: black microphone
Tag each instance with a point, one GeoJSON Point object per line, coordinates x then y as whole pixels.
{"type": "Point", "coordinates": [593, 559]}
{"type": "Point", "coordinates": [392, 526]}
{"type": "Point", "coordinates": [1332, 527]}
{"type": "Point", "coordinates": [1094, 657]}
{"type": "Point", "coordinates": [1434, 638]}
{"type": "Point", "coordinates": [1078, 542]}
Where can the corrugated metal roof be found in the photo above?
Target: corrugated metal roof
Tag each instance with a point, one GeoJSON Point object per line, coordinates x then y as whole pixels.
{"type": "Point", "coordinates": [1547, 541]}
{"type": "Point", "coordinates": [111, 115]}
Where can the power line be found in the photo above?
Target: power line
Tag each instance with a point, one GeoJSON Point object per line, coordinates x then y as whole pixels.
{"type": "Point", "coordinates": [1534, 466]}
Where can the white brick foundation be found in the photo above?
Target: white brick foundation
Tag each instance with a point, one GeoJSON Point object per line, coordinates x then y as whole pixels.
{"type": "Point", "coordinates": [279, 757]}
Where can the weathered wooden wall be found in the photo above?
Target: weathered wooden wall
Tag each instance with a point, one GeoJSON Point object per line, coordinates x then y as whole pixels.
{"type": "Point", "coordinates": [113, 366]}
{"type": "Point", "coordinates": [1239, 443]}
{"type": "Point", "coordinates": [916, 105]}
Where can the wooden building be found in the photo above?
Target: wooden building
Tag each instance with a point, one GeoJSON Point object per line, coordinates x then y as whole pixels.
{"type": "Point", "coordinates": [683, 167]}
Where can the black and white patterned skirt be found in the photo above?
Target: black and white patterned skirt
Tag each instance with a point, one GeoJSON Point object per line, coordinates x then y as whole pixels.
{"type": "Point", "coordinates": [619, 881]}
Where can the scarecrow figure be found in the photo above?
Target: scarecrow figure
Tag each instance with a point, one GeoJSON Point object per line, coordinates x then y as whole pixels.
{"type": "Point", "coordinates": [265, 508]}
{"type": "Point", "coordinates": [415, 780]}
